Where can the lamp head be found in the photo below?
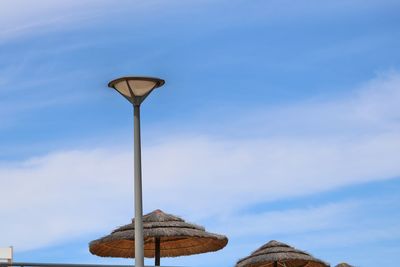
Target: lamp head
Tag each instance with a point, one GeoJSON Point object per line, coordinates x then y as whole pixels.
{"type": "Point", "coordinates": [135, 89]}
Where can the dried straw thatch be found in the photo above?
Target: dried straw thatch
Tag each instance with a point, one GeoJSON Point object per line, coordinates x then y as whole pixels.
{"type": "Point", "coordinates": [275, 254]}
{"type": "Point", "coordinates": [176, 238]}
{"type": "Point", "coordinates": [343, 264]}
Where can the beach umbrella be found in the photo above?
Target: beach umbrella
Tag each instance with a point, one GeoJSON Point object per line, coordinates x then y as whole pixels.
{"type": "Point", "coordinates": [277, 254]}
{"type": "Point", "coordinates": [343, 264]}
{"type": "Point", "coordinates": [165, 235]}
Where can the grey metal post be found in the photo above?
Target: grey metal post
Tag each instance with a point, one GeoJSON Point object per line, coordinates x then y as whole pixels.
{"type": "Point", "coordinates": [139, 250]}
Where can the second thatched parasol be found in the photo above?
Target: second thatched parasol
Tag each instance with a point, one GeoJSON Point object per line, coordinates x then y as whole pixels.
{"type": "Point", "coordinates": [165, 235]}
{"type": "Point", "coordinates": [274, 254]}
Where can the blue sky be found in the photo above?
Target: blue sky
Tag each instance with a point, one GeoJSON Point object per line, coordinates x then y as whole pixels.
{"type": "Point", "coordinates": [278, 120]}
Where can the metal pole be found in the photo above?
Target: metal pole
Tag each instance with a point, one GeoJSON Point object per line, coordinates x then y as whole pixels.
{"type": "Point", "coordinates": [139, 250]}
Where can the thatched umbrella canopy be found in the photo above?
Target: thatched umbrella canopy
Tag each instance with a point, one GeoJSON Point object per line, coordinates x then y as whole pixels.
{"type": "Point", "coordinates": [274, 254]}
{"type": "Point", "coordinates": [343, 264]}
{"type": "Point", "coordinates": [165, 235]}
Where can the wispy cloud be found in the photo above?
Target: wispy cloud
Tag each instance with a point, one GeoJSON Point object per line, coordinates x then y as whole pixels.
{"type": "Point", "coordinates": [289, 221]}
{"type": "Point", "coordinates": [46, 199]}
{"type": "Point", "coordinates": [22, 17]}
{"type": "Point", "coordinates": [200, 176]}
{"type": "Point", "coordinates": [366, 110]}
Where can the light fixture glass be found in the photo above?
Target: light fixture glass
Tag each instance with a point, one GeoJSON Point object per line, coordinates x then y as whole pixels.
{"type": "Point", "coordinates": [140, 86]}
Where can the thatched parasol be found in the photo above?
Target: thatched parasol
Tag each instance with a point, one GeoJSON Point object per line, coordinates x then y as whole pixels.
{"type": "Point", "coordinates": [276, 254]}
{"type": "Point", "coordinates": [165, 235]}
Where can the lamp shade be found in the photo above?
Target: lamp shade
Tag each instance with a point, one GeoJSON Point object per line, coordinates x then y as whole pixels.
{"type": "Point", "coordinates": [135, 86]}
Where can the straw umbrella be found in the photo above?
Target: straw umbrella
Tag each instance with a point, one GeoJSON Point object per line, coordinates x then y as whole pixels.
{"type": "Point", "coordinates": [274, 254]}
{"type": "Point", "coordinates": [165, 235]}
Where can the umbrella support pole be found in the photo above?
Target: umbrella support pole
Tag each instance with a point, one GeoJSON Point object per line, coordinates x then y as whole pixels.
{"type": "Point", "coordinates": [157, 252]}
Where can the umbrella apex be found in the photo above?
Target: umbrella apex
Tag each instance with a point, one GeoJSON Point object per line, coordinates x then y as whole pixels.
{"type": "Point", "coordinates": [343, 264]}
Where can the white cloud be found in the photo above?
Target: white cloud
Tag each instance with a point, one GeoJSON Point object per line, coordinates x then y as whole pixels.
{"type": "Point", "coordinates": [214, 174]}
{"type": "Point", "coordinates": [369, 109]}
{"type": "Point", "coordinates": [68, 193]}
{"type": "Point", "coordinates": [52, 197]}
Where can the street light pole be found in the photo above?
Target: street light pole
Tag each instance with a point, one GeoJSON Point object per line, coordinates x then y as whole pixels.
{"type": "Point", "coordinates": [135, 90]}
{"type": "Point", "coordinates": [139, 250]}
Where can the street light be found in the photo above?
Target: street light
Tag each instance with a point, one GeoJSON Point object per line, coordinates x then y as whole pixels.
{"type": "Point", "coordinates": [135, 90]}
